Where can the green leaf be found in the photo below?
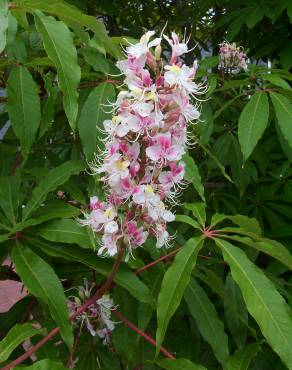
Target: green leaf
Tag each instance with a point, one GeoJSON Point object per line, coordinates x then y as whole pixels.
{"type": "Point", "coordinates": [283, 109]}
{"type": "Point", "coordinates": [60, 48]}
{"type": "Point", "coordinates": [187, 220]}
{"type": "Point", "coordinates": [95, 59]}
{"type": "Point", "coordinates": [66, 231]}
{"type": "Point", "coordinates": [48, 108]}
{"type": "Point", "coordinates": [255, 16]}
{"type": "Point", "coordinates": [207, 320]}
{"type": "Point", "coordinates": [246, 223]}
{"type": "Point", "coordinates": [9, 196]}
{"type": "Point", "coordinates": [276, 80]}
{"type": "Point", "coordinates": [179, 364]}
{"type": "Point", "coordinates": [242, 358]}
{"type": "Point", "coordinates": [23, 106]}
{"type": "Point", "coordinates": [198, 211]}
{"type": "Point", "coordinates": [55, 177]}
{"type": "Point", "coordinates": [192, 174]}
{"type": "Point", "coordinates": [93, 114]}
{"type": "Point", "coordinates": [73, 17]}
{"type": "Point", "coordinates": [235, 311]}
{"type": "Point", "coordinates": [124, 277]}
{"type": "Point", "coordinates": [16, 335]}
{"type": "Point", "coordinates": [3, 23]}
{"type": "Point", "coordinates": [268, 246]}
{"type": "Point", "coordinates": [174, 284]}
{"type": "Point", "coordinates": [252, 123]}
{"type": "Point", "coordinates": [262, 300]}
{"type": "Point", "coordinates": [45, 364]}
{"type": "Point", "coordinates": [42, 282]}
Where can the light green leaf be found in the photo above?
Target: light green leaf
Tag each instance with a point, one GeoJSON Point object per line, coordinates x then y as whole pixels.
{"type": "Point", "coordinates": [198, 211]}
{"type": "Point", "coordinates": [124, 277]}
{"type": "Point", "coordinates": [66, 231]}
{"type": "Point", "coordinates": [246, 223]}
{"type": "Point", "coordinates": [207, 320]}
{"type": "Point", "coordinates": [179, 364]}
{"type": "Point", "coordinates": [192, 174]}
{"type": "Point", "coordinates": [174, 284]}
{"type": "Point", "coordinates": [187, 220]}
{"type": "Point", "coordinates": [235, 311]}
{"type": "Point", "coordinates": [23, 106]}
{"type": "Point", "coordinates": [252, 123]}
{"type": "Point", "coordinates": [93, 114]}
{"type": "Point", "coordinates": [3, 23]}
{"type": "Point", "coordinates": [9, 196]}
{"type": "Point", "coordinates": [55, 177]}
{"type": "Point", "coordinates": [262, 300]}
{"type": "Point", "coordinates": [73, 17]}
{"type": "Point", "coordinates": [268, 246]}
{"type": "Point", "coordinates": [283, 109]}
{"type": "Point", "coordinates": [59, 46]}
{"type": "Point", "coordinates": [242, 358]}
{"type": "Point", "coordinates": [42, 282]}
{"type": "Point", "coordinates": [18, 334]}
{"type": "Point", "coordinates": [45, 364]}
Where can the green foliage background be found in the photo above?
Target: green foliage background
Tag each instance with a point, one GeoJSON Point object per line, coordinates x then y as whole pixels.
{"type": "Point", "coordinates": [223, 302]}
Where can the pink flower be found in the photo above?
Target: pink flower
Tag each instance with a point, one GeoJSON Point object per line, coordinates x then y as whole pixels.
{"type": "Point", "coordinates": [164, 149]}
{"type": "Point", "coordinates": [136, 236]}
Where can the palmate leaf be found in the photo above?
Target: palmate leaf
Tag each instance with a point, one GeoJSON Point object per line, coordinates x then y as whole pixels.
{"type": "Point", "coordinates": [179, 364]}
{"type": "Point", "coordinates": [207, 320]}
{"type": "Point", "coordinates": [262, 300]}
{"type": "Point", "coordinates": [253, 122]}
{"type": "Point", "coordinates": [23, 106]}
{"type": "Point", "coordinates": [174, 284]}
{"type": "Point", "coordinates": [41, 281]}
{"type": "Point", "coordinates": [16, 335]}
{"type": "Point", "coordinates": [93, 114]}
{"type": "Point", "coordinates": [58, 43]}
{"type": "Point", "coordinates": [283, 109]}
{"type": "Point", "coordinates": [55, 177]}
{"type": "Point", "coordinates": [124, 277]}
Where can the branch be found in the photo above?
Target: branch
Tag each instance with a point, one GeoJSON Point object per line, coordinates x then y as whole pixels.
{"type": "Point", "coordinates": [144, 335]}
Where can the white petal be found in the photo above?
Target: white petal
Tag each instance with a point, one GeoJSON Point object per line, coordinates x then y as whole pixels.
{"type": "Point", "coordinates": [111, 227]}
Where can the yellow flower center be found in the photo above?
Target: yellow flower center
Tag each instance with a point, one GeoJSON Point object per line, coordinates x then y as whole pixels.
{"type": "Point", "coordinates": [121, 165]}
{"type": "Point", "coordinates": [148, 189]}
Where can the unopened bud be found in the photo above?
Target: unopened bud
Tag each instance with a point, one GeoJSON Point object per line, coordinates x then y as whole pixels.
{"type": "Point", "coordinates": [157, 52]}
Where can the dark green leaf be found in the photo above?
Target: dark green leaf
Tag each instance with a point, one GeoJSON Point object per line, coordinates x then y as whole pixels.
{"type": "Point", "coordinates": [179, 364]}
{"type": "Point", "coordinates": [3, 23]}
{"type": "Point", "coordinates": [242, 358]}
{"type": "Point", "coordinates": [23, 106]}
{"type": "Point", "coordinates": [9, 196]}
{"type": "Point", "coordinates": [41, 280]}
{"type": "Point", "coordinates": [283, 109]}
{"type": "Point", "coordinates": [192, 174]}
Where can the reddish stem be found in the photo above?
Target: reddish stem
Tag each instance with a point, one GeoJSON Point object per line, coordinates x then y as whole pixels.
{"type": "Point", "coordinates": [153, 263]}
{"type": "Point", "coordinates": [144, 335]}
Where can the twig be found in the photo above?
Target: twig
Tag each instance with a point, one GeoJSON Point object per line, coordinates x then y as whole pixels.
{"type": "Point", "coordinates": [153, 263]}
{"type": "Point", "coordinates": [144, 335]}
{"type": "Point", "coordinates": [98, 294]}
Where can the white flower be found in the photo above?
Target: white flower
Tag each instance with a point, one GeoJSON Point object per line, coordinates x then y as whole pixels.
{"type": "Point", "coordinates": [180, 76]}
{"type": "Point", "coordinates": [143, 46]}
{"type": "Point", "coordinates": [159, 211]}
{"type": "Point", "coordinates": [144, 195]}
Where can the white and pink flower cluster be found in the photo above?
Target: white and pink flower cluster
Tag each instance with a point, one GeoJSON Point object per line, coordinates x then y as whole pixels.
{"type": "Point", "coordinates": [97, 318]}
{"type": "Point", "coordinates": [232, 58]}
{"type": "Point", "coordinates": [145, 140]}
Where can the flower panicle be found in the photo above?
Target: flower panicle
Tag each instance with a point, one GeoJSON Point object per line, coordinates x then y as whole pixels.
{"type": "Point", "coordinates": [145, 140]}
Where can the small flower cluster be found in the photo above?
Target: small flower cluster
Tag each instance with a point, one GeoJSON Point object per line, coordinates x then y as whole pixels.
{"type": "Point", "coordinates": [145, 140]}
{"type": "Point", "coordinates": [97, 318]}
{"type": "Point", "coordinates": [232, 58]}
